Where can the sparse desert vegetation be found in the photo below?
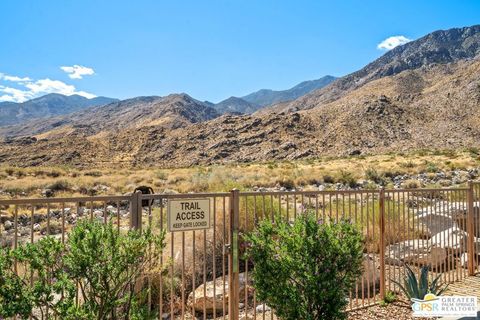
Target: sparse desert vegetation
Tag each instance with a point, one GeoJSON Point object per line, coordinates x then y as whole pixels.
{"type": "Point", "coordinates": [409, 170]}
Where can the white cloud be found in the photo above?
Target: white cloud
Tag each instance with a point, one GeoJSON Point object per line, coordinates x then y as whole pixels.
{"type": "Point", "coordinates": [6, 77]}
{"type": "Point", "coordinates": [16, 79]}
{"type": "Point", "coordinates": [77, 72]}
{"type": "Point", "coordinates": [29, 89]}
{"type": "Point", "coordinates": [392, 42]}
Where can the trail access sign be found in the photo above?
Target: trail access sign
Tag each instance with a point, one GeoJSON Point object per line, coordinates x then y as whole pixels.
{"type": "Point", "coordinates": [188, 214]}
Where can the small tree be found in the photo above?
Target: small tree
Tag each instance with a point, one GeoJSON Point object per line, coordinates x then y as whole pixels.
{"type": "Point", "coordinates": [108, 266]}
{"type": "Point", "coordinates": [40, 279]}
{"type": "Point", "coordinates": [305, 270]}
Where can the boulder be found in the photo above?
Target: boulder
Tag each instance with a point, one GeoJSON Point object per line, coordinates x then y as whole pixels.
{"type": "Point", "coordinates": [431, 222]}
{"type": "Point", "coordinates": [210, 299]}
{"type": "Point", "coordinates": [452, 238]}
{"type": "Point", "coordinates": [370, 277]}
{"type": "Point", "coordinates": [417, 252]}
{"type": "Point", "coordinates": [8, 225]}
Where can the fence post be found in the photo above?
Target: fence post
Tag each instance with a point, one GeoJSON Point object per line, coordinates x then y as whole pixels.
{"type": "Point", "coordinates": [136, 211]}
{"type": "Point", "coordinates": [382, 242]}
{"type": "Point", "coordinates": [470, 230]}
{"type": "Point", "coordinates": [233, 265]}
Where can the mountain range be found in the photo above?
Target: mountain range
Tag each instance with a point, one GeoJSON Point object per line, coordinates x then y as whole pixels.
{"type": "Point", "coordinates": [424, 94]}
{"type": "Point", "coordinates": [50, 105]}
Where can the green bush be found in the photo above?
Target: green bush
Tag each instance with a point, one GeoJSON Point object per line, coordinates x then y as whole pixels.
{"type": "Point", "coordinates": [305, 270]}
{"type": "Point", "coordinates": [108, 265]}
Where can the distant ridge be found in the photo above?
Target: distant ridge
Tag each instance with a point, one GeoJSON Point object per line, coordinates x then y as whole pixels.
{"type": "Point", "coordinates": [49, 105]}
{"type": "Point", "coordinates": [265, 97]}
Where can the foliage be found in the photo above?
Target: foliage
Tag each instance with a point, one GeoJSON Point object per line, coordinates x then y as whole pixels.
{"type": "Point", "coordinates": [108, 265]}
{"type": "Point", "coordinates": [390, 297]}
{"type": "Point", "coordinates": [305, 270]}
{"type": "Point", "coordinates": [372, 174]}
{"type": "Point", "coordinates": [418, 288]}
{"type": "Point", "coordinates": [347, 178]}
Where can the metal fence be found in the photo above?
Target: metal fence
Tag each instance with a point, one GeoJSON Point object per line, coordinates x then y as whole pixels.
{"type": "Point", "coordinates": [207, 274]}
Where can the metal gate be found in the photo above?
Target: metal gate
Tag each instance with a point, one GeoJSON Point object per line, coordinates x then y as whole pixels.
{"type": "Point", "coordinates": [205, 272]}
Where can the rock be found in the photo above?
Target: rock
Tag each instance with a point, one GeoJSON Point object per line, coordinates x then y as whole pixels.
{"type": "Point", "coordinates": [453, 238]}
{"type": "Point", "coordinates": [98, 213]}
{"type": "Point", "coordinates": [417, 252]}
{"type": "Point", "coordinates": [48, 193]}
{"type": "Point", "coordinates": [216, 300]}
{"type": "Point", "coordinates": [36, 227]}
{"type": "Point", "coordinates": [8, 225]}
{"type": "Point", "coordinates": [432, 222]}
{"type": "Point", "coordinates": [370, 276]}
{"type": "Point", "coordinates": [262, 308]}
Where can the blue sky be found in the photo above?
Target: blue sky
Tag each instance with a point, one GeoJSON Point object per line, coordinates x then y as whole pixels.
{"type": "Point", "coordinates": [208, 49]}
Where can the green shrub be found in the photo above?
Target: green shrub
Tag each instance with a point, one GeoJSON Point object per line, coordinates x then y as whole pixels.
{"type": "Point", "coordinates": [305, 270]}
{"type": "Point", "coordinates": [431, 167]}
{"type": "Point", "coordinates": [390, 297]}
{"type": "Point", "coordinates": [106, 264]}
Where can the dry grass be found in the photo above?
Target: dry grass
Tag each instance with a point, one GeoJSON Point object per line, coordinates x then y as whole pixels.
{"type": "Point", "coordinates": [29, 182]}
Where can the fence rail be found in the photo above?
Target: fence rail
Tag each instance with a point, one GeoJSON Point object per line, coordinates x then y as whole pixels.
{"type": "Point", "coordinates": [207, 274]}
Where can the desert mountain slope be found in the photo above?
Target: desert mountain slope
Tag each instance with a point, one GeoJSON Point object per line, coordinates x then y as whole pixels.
{"type": "Point", "coordinates": [434, 106]}
{"type": "Point", "coordinates": [266, 97]}
{"type": "Point", "coordinates": [50, 105]}
{"type": "Point", "coordinates": [173, 111]}
{"type": "Point", "coordinates": [236, 105]}
{"type": "Point", "coordinates": [439, 47]}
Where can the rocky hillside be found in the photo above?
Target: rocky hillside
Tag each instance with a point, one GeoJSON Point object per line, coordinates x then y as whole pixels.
{"type": "Point", "coordinates": [439, 47]}
{"type": "Point", "coordinates": [46, 106]}
{"type": "Point", "coordinates": [430, 107]}
{"type": "Point", "coordinates": [236, 105]}
{"type": "Point", "coordinates": [433, 105]}
{"type": "Point", "coordinates": [266, 97]}
{"type": "Point", "coordinates": [173, 111]}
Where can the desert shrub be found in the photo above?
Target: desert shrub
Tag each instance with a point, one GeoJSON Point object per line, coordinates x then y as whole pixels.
{"type": "Point", "coordinates": [286, 183]}
{"type": "Point", "coordinates": [106, 264]}
{"type": "Point", "coordinates": [373, 175]}
{"type": "Point", "coordinates": [346, 177]}
{"type": "Point", "coordinates": [390, 297]}
{"type": "Point", "coordinates": [305, 270]}
{"type": "Point", "coordinates": [407, 164]}
{"type": "Point", "coordinates": [60, 185]}
{"type": "Point", "coordinates": [93, 173]}
{"type": "Point", "coordinates": [412, 184]}
{"type": "Point", "coordinates": [328, 179]}
{"type": "Point", "coordinates": [431, 167]}
{"type": "Point", "coordinates": [473, 151]}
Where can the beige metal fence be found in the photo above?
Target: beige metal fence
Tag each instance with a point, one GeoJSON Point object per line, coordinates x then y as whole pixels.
{"type": "Point", "coordinates": [435, 227]}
